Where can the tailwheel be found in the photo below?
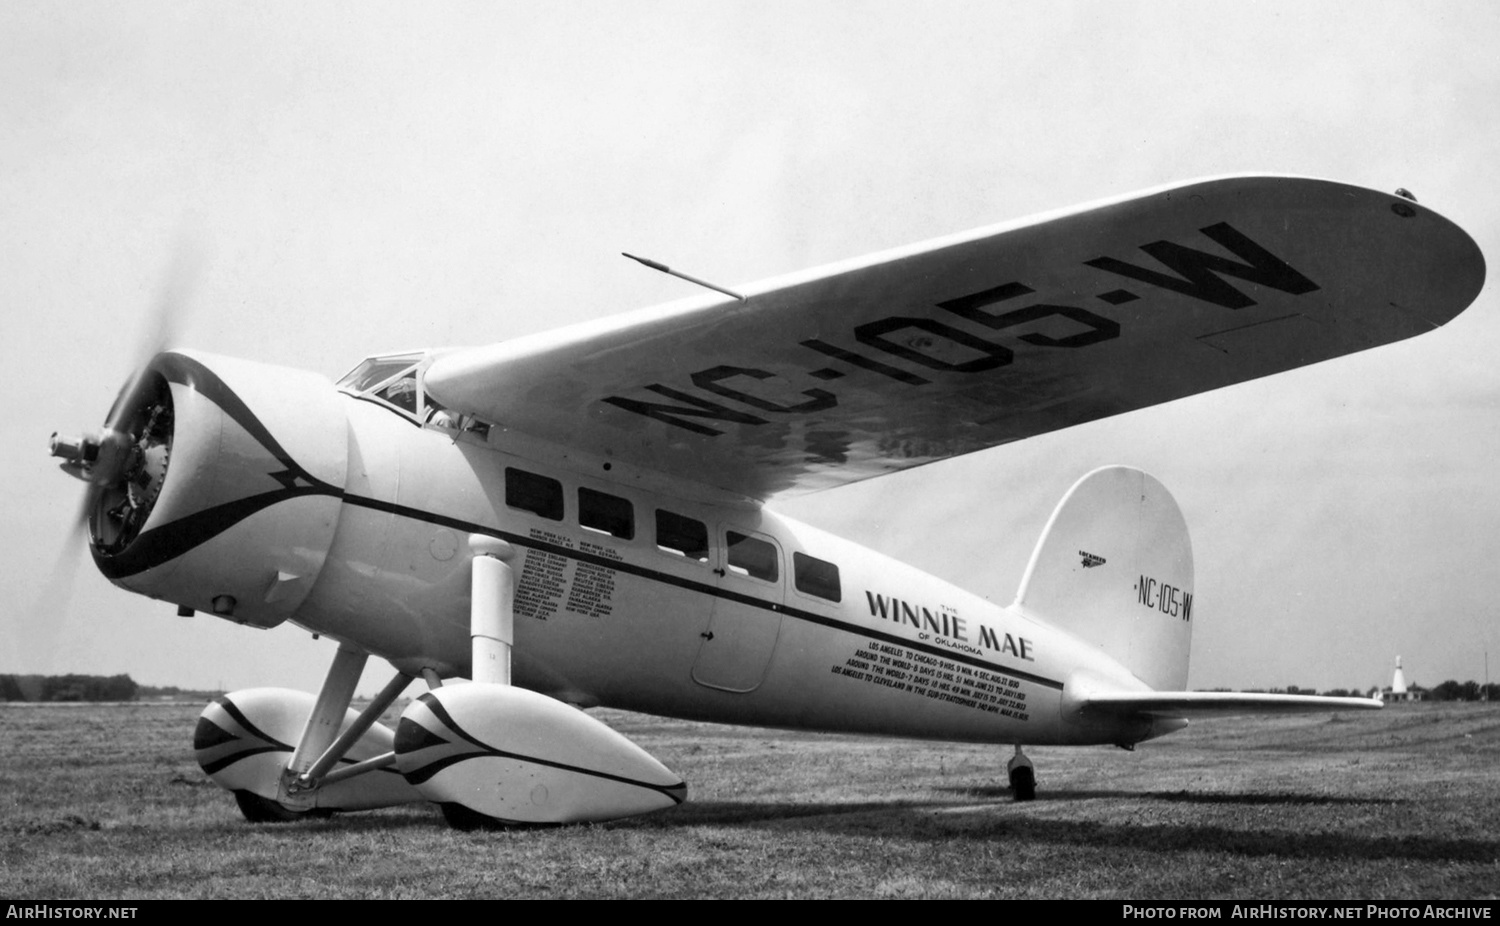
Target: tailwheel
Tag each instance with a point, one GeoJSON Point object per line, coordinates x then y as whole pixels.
{"type": "Point", "coordinates": [257, 809]}
{"type": "Point", "coordinates": [1022, 777]}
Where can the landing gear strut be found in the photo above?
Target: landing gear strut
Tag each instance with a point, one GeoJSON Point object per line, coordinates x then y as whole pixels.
{"type": "Point", "coordinates": [1022, 776]}
{"type": "Point", "coordinates": [492, 754]}
{"type": "Point", "coordinates": [329, 734]}
{"type": "Point", "coordinates": [288, 755]}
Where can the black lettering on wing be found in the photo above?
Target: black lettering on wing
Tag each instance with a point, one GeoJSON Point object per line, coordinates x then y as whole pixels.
{"type": "Point", "coordinates": [1200, 275]}
{"type": "Point", "coordinates": [698, 408]}
{"type": "Point", "coordinates": [712, 381]}
{"type": "Point", "coordinates": [972, 307]}
{"type": "Point", "coordinates": [875, 334]}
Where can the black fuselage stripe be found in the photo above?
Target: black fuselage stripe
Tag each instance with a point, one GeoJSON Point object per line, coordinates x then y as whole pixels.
{"type": "Point", "coordinates": [712, 591]}
{"type": "Point", "coordinates": [166, 542]}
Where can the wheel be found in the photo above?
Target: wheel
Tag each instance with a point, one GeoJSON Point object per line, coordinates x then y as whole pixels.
{"type": "Point", "coordinates": [465, 820]}
{"type": "Point", "coordinates": [257, 809]}
{"type": "Point", "coordinates": [1023, 783]}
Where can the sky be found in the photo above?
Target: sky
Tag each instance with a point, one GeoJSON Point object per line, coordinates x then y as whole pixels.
{"type": "Point", "coordinates": [355, 178]}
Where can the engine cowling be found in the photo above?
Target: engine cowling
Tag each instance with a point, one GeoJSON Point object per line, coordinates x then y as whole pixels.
{"type": "Point", "coordinates": [231, 492]}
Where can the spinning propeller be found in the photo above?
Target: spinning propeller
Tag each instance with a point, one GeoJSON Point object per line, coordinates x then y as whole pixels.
{"type": "Point", "coordinates": [125, 461]}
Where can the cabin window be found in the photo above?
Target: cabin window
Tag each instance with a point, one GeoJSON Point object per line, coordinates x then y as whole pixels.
{"type": "Point", "coordinates": [537, 494]}
{"type": "Point", "coordinates": [751, 557]}
{"type": "Point", "coordinates": [816, 577]}
{"type": "Point", "coordinates": [680, 535]}
{"type": "Point", "coordinates": [606, 514]}
{"type": "Point", "coordinates": [402, 393]}
{"type": "Point", "coordinates": [376, 370]}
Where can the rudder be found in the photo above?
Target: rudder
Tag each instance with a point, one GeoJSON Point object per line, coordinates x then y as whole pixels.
{"type": "Point", "coordinates": [1114, 567]}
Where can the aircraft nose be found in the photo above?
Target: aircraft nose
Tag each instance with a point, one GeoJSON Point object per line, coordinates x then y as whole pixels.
{"type": "Point", "coordinates": [218, 484]}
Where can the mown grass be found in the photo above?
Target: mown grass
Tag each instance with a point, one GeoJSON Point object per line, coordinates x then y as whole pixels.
{"type": "Point", "coordinates": [105, 802]}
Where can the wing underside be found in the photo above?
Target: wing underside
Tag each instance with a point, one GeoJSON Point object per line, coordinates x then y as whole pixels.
{"type": "Point", "coordinates": [935, 350]}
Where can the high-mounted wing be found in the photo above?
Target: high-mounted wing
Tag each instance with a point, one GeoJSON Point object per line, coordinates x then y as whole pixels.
{"type": "Point", "coordinates": [926, 352]}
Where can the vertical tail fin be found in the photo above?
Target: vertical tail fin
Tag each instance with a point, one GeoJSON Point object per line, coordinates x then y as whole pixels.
{"type": "Point", "coordinates": [1114, 567]}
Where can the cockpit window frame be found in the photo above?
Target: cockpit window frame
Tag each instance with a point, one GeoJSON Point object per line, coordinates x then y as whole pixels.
{"type": "Point", "coordinates": [401, 364]}
{"type": "Point", "coordinates": [360, 384]}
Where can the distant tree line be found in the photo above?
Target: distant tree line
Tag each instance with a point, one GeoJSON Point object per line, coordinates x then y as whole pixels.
{"type": "Point", "coordinates": [1465, 691]}
{"type": "Point", "coordinates": [68, 688]}
{"type": "Point", "coordinates": [1447, 691]}
{"type": "Point", "coordinates": [166, 692]}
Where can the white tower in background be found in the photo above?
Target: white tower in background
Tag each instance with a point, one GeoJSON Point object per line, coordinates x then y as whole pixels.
{"type": "Point", "coordinates": [1398, 681]}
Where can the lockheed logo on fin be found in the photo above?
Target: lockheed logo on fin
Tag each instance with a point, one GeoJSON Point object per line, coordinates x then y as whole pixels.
{"type": "Point", "coordinates": [1090, 560]}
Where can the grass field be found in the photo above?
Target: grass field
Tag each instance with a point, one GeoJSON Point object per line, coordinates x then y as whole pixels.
{"type": "Point", "coordinates": [105, 801]}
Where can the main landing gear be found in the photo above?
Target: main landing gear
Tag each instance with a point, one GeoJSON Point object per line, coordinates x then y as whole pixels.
{"type": "Point", "coordinates": [257, 809]}
{"type": "Point", "coordinates": [245, 742]}
{"type": "Point", "coordinates": [492, 754]}
{"type": "Point", "coordinates": [1022, 776]}
{"type": "Point", "coordinates": [488, 753]}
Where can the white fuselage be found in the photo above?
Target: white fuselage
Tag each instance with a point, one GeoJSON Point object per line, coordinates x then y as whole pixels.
{"type": "Point", "coordinates": [629, 614]}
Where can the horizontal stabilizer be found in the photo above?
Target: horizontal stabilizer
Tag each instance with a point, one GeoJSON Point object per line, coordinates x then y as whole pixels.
{"type": "Point", "coordinates": [1214, 703]}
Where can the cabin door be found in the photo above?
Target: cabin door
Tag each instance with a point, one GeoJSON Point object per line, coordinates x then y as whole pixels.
{"type": "Point", "coordinates": [746, 620]}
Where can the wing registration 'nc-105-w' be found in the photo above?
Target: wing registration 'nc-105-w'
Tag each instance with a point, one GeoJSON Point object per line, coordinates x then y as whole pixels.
{"type": "Point", "coordinates": [584, 517]}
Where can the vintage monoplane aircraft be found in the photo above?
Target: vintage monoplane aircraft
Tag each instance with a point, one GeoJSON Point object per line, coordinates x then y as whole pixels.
{"type": "Point", "coordinates": [584, 517]}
